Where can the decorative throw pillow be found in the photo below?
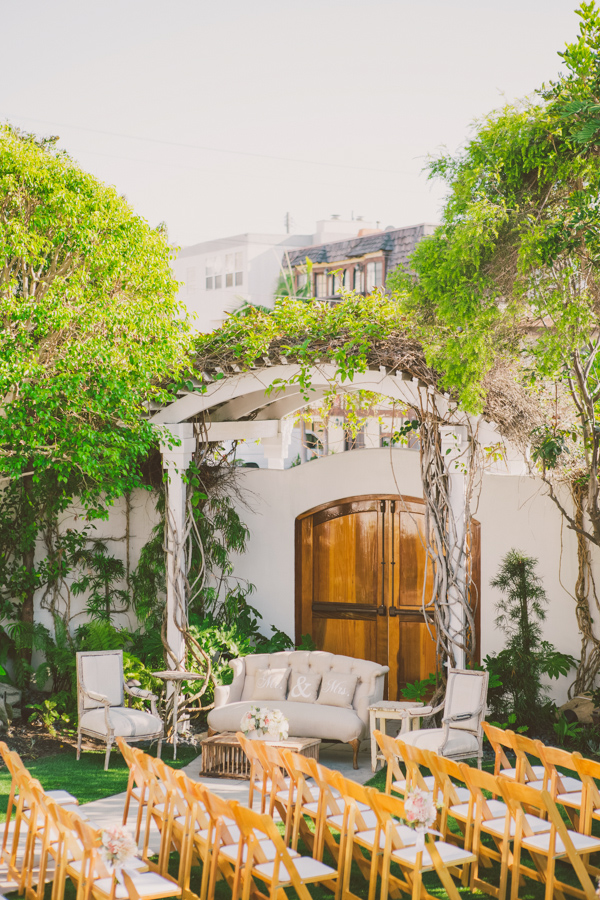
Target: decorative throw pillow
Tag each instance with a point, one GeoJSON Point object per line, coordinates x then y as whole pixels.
{"type": "Point", "coordinates": [304, 687]}
{"type": "Point", "coordinates": [337, 689]}
{"type": "Point", "coordinates": [270, 684]}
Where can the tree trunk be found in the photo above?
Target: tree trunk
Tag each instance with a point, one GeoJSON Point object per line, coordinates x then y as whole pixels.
{"type": "Point", "coordinates": [28, 564]}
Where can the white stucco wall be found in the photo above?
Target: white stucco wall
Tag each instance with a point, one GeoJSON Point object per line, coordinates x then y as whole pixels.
{"type": "Point", "coordinates": [143, 517]}
{"type": "Point", "coordinates": [513, 512]}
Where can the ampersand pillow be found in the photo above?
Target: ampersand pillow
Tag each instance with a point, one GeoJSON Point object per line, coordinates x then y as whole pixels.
{"type": "Point", "coordinates": [337, 689]}
{"type": "Point", "coordinates": [304, 687]}
{"type": "Point", "coordinates": [270, 684]}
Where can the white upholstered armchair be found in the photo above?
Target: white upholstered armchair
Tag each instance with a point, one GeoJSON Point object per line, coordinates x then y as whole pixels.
{"type": "Point", "coordinates": [100, 703]}
{"type": "Point", "coordinates": [464, 706]}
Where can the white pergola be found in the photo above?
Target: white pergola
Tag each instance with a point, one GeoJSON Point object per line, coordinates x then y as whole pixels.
{"type": "Point", "coordinates": [228, 402]}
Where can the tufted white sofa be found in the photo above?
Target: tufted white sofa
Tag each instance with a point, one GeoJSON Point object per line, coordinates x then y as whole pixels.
{"type": "Point", "coordinates": [306, 719]}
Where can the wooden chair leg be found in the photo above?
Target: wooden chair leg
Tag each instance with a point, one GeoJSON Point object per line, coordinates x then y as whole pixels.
{"type": "Point", "coordinates": [355, 744]}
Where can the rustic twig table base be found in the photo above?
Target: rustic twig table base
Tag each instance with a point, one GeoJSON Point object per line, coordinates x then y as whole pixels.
{"type": "Point", "coordinates": [223, 757]}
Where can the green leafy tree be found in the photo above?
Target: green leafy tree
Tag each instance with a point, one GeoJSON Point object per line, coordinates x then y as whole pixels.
{"type": "Point", "coordinates": [511, 278]}
{"type": "Point", "coordinates": [91, 330]}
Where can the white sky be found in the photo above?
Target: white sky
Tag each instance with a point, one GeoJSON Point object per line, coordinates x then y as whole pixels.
{"type": "Point", "coordinates": [353, 94]}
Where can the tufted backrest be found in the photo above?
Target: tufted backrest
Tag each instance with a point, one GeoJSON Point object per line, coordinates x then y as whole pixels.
{"type": "Point", "coordinates": [369, 687]}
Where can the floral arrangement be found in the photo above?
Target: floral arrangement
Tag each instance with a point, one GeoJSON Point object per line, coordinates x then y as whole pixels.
{"type": "Point", "coordinates": [118, 846]}
{"type": "Point", "coordinates": [419, 809]}
{"type": "Point", "coordinates": [260, 721]}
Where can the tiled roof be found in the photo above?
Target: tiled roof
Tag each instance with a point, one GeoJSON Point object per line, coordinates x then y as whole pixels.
{"type": "Point", "coordinates": [397, 244]}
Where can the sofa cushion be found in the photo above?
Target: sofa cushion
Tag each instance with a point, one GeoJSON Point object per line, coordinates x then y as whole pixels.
{"type": "Point", "coordinates": [459, 741]}
{"type": "Point", "coordinates": [306, 720]}
{"type": "Point", "coordinates": [127, 722]}
{"type": "Point", "coordinates": [304, 687]}
{"type": "Point", "coordinates": [271, 684]}
{"type": "Point", "coordinates": [337, 689]}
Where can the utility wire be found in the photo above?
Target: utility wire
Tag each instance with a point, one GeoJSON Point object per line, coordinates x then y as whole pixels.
{"type": "Point", "coordinates": [148, 140]}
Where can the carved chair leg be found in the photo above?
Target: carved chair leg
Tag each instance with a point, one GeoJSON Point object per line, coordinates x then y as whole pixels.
{"type": "Point", "coordinates": [211, 731]}
{"type": "Point", "coordinates": [355, 744]}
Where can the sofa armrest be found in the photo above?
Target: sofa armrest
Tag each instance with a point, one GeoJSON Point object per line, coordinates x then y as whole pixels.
{"type": "Point", "coordinates": [232, 693]}
{"type": "Point", "coordinates": [375, 693]}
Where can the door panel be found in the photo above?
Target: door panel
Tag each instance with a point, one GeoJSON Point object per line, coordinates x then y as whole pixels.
{"type": "Point", "coordinates": [361, 581]}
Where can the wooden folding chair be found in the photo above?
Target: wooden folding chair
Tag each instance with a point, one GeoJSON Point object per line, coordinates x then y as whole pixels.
{"type": "Point", "coordinates": [490, 818]}
{"type": "Point", "coordinates": [559, 843]}
{"type": "Point", "coordinates": [564, 789]}
{"type": "Point", "coordinates": [526, 773]}
{"type": "Point", "coordinates": [416, 759]}
{"type": "Point", "coordinates": [95, 880]}
{"type": "Point", "coordinates": [284, 871]}
{"type": "Point", "coordinates": [500, 741]}
{"type": "Point", "coordinates": [304, 799]}
{"type": "Point", "coordinates": [286, 793]}
{"type": "Point", "coordinates": [44, 844]}
{"type": "Point", "coordinates": [414, 860]}
{"type": "Point", "coordinates": [159, 799]}
{"type": "Point", "coordinates": [360, 831]}
{"type": "Point", "coordinates": [19, 857]}
{"type": "Point", "coordinates": [395, 779]}
{"type": "Point", "coordinates": [589, 772]}
{"type": "Point", "coordinates": [194, 834]}
{"type": "Point", "coordinates": [456, 800]}
{"type": "Point", "coordinates": [259, 777]}
{"type": "Point", "coordinates": [14, 764]}
{"type": "Point", "coordinates": [137, 783]}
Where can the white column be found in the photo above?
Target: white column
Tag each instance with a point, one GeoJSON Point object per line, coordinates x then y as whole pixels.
{"type": "Point", "coordinates": [176, 461]}
{"type": "Point", "coordinates": [276, 448]}
{"type": "Point", "coordinates": [455, 452]}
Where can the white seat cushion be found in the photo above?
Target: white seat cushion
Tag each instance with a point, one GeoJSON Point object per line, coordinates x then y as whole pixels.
{"type": "Point", "coordinates": [569, 784]}
{"type": "Point", "coordinates": [368, 817]}
{"type": "Point", "coordinates": [62, 797]}
{"type": "Point", "coordinates": [125, 721]}
{"type": "Point", "coordinates": [450, 853]}
{"type": "Point", "coordinates": [407, 835]}
{"type": "Point", "coordinates": [230, 851]}
{"type": "Point", "coordinates": [146, 884]}
{"type": "Point", "coordinates": [459, 741]}
{"type": "Point", "coordinates": [538, 772]}
{"type": "Point", "coordinates": [306, 867]}
{"type": "Point", "coordinates": [582, 842]}
{"type": "Point", "coordinates": [496, 826]}
{"type": "Point", "coordinates": [572, 799]}
{"type": "Point", "coordinates": [306, 719]}
{"type": "Point", "coordinates": [136, 864]}
{"type": "Point", "coordinates": [496, 807]}
{"type": "Point", "coordinates": [400, 786]}
{"type": "Point", "coordinates": [284, 796]}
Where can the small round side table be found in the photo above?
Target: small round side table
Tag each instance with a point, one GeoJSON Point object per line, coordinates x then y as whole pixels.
{"type": "Point", "coordinates": [176, 676]}
{"type": "Point", "coordinates": [390, 709]}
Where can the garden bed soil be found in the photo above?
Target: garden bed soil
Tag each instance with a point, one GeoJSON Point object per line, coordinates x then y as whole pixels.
{"type": "Point", "coordinates": [34, 741]}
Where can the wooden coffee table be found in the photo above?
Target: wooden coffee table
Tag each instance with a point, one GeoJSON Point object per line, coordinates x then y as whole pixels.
{"type": "Point", "coordinates": [223, 757]}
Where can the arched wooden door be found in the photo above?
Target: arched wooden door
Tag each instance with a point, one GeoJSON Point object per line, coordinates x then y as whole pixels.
{"type": "Point", "coordinates": [361, 582]}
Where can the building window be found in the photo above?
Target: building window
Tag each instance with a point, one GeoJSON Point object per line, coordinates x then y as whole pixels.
{"type": "Point", "coordinates": [374, 275]}
{"type": "Point", "coordinates": [301, 281]}
{"type": "Point", "coordinates": [218, 273]}
{"type": "Point", "coordinates": [210, 274]}
{"type": "Point", "coordinates": [321, 284]}
{"type": "Point", "coordinates": [190, 280]}
{"type": "Point", "coordinates": [229, 270]}
{"type": "Point", "coordinates": [239, 268]}
{"type": "Point", "coordinates": [359, 280]}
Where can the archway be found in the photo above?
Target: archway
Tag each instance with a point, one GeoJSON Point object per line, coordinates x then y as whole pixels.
{"type": "Point", "coordinates": [364, 582]}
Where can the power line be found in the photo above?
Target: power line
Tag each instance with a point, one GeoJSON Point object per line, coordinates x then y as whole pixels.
{"type": "Point", "coordinates": [148, 140]}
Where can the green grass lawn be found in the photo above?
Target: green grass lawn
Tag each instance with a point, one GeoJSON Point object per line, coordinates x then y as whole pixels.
{"type": "Point", "coordinates": [85, 779]}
